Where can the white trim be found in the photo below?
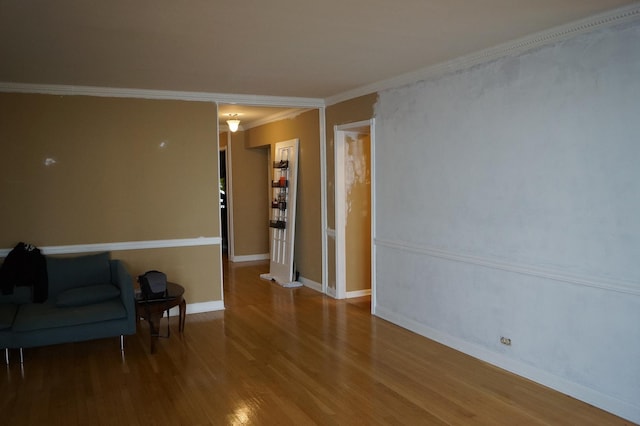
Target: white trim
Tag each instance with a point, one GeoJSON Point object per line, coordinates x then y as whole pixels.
{"type": "Point", "coordinates": [372, 138]}
{"type": "Point", "coordinates": [358, 293]}
{"type": "Point", "coordinates": [514, 47]}
{"type": "Point", "coordinates": [323, 200]}
{"type": "Point", "coordinates": [340, 219]}
{"type": "Point", "coordinates": [249, 258]}
{"type": "Point", "coordinates": [619, 286]}
{"type": "Point", "coordinates": [119, 92]}
{"type": "Point", "coordinates": [331, 233]}
{"type": "Point", "coordinates": [339, 147]}
{"type": "Point", "coordinates": [331, 292]}
{"type": "Point", "coordinates": [545, 378]}
{"type": "Point", "coordinates": [197, 308]}
{"type": "Point", "coordinates": [229, 185]}
{"type": "Point", "coordinates": [311, 284]}
{"type": "Point", "coordinates": [217, 195]}
{"type": "Point", "coordinates": [354, 126]}
{"type": "Point", "coordinates": [128, 245]}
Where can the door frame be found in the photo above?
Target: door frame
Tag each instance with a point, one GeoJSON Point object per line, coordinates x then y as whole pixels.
{"type": "Point", "coordinates": [229, 185]}
{"type": "Point", "coordinates": [223, 151]}
{"type": "Point", "coordinates": [340, 131]}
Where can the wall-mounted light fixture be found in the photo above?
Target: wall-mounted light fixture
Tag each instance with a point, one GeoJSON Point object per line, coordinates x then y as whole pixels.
{"type": "Point", "coordinates": [233, 122]}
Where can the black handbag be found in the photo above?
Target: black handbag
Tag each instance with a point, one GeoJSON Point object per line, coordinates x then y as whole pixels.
{"type": "Point", "coordinates": [153, 285]}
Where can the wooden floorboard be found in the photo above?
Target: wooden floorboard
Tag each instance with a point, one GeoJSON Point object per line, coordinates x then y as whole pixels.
{"type": "Point", "coordinates": [276, 356]}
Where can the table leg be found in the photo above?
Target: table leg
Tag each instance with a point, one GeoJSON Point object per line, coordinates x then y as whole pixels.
{"type": "Point", "coordinates": [154, 328]}
{"type": "Point", "coordinates": [183, 315]}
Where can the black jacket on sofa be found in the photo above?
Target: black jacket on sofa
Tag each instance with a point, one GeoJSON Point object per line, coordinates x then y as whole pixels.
{"type": "Point", "coordinates": [25, 265]}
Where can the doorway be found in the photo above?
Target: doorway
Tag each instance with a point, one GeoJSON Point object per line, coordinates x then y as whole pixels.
{"type": "Point", "coordinates": [224, 231]}
{"type": "Point", "coordinates": [354, 200]}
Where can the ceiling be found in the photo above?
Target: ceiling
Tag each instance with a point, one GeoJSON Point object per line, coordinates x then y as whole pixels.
{"type": "Point", "coordinates": [289, 48]}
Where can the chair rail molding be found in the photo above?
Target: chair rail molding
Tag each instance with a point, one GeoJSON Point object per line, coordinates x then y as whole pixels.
{"type": "Point", "coordinates": [620, 286]}
{"type": "Point", "coordinates": [128, 245]}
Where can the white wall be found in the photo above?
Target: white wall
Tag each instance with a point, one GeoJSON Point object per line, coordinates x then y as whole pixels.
{"type": "Point", "coordinates": [508, 204]}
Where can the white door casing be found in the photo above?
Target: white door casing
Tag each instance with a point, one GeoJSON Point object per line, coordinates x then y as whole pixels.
{"type": "Point", "coordinates": [340, 136]}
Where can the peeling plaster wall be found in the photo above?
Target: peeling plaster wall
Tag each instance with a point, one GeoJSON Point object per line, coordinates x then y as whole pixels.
{"type": "Point", "coordinates": [357, 167]}
{"type": "Point", "coordinates": [358, 214]}
{"type": "Point", "coordinates": [508, 200]}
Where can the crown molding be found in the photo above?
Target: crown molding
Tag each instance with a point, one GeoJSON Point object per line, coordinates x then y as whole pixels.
{"type": "Point", "coordinates": [282, 115]}
{"type": "Point", "coordinates": [514, 47]}
{"type": "Point", "coordinates": [118, 92]}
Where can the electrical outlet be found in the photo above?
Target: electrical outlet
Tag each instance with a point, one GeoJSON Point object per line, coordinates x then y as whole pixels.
{"type": "Point", "coordinates": [505, 341]}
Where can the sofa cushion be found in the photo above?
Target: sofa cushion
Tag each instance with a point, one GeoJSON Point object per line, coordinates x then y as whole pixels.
{"type": "Point", "coordinates": [35, 316]}
{"type": "Point", "coordinates": [78, 271]}
{"type": "Point", "coordinates": [87, 295]}
{"type": "Point", "coordinates": [7, 314]}
{"type": "Point", "coordinates": [21, 294]}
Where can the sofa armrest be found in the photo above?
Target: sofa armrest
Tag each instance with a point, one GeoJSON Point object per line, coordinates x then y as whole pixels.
{"type": "Point", "coordinates": [121, 278]}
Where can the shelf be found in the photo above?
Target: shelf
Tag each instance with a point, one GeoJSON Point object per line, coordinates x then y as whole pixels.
{"type": "Point", "coordinates": [284, 164]}
{"type": "Point", "coordinates": [281, 205]}
{"type": "Point", "coordinates": [279, 184]}
{"type": "Point", "coordinates": [277, 224]}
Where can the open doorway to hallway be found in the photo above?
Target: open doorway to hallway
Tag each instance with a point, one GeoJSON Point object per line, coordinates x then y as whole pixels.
{"type": "Point", "coordinates": [224, 227]}
{"type": "Point", "coordinates": [354, 210]}
{"type": "Point", "coordinates": [246, 182]}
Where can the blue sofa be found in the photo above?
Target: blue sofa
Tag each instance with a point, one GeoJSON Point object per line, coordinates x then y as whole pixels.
{"type": "Point", "coordinates": [90, 297]}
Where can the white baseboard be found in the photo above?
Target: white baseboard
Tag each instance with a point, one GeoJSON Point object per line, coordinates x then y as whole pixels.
{"type": "Point", "coordinates": [358, 293]}
{"type": "Point", "coordinates": [197, 308]}
{"type": "Point", "coordinates": [331, 292]}
{"type": "Point", "coordinates": [311, 284]}
{"type": "Point", "coordinates": [583, 393]}
{"type": "Point", "coordinates": [249, 258]}
{"type": "Point", "coordinates": [350, 294]}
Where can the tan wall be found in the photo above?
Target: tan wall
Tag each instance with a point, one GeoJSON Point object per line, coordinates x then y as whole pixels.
{"type": "Point", "coordinates": [250, 168]}
{"type": "Point", "coordinates": [195, 268]}
{"type": "Point", "coordinates": [305, 127]}
{"type": "Point", "coordinates": [113, 179]}
{"type": "Point", "coordinates": [351, 111]}
{"type": "Point", "coordinates": [358, 216]}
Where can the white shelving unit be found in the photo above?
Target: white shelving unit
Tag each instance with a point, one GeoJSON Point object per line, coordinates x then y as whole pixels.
{"type": "Point", "coordinates": [282, 219]}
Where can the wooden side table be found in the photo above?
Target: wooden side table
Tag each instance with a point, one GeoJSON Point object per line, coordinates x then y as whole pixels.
{"type": "Point", "coordinates": [153, 310]}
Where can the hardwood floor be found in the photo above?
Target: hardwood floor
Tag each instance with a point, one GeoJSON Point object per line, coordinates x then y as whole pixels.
{"type": "Point", "coordinates": [276, 356]}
